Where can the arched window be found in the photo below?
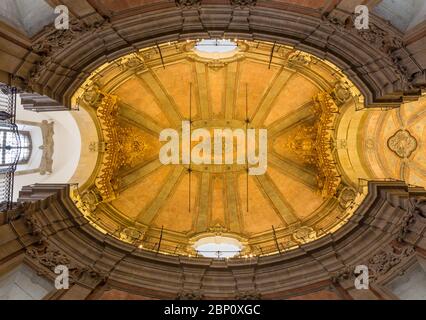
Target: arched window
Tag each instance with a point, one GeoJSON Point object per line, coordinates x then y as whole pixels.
{"type": "Point", "coordinates": [14, 146]}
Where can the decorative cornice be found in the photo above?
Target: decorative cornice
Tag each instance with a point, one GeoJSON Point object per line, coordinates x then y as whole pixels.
{"type": "Point", "coordinates": [348, 47]}
{"type": "Point", "coordinates": [376, 248]}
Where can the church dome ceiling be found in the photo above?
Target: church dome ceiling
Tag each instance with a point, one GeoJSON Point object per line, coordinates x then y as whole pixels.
{"type": "Point", "coordinates": [307, 191]}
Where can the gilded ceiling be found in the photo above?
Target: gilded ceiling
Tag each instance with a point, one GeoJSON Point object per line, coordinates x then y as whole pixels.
{"type": "Point", "coordinates": [311, 184]}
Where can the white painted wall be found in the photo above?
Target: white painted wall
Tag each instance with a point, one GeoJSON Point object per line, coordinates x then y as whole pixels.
{"type": "Point", "coordinates": [67, 147]}
{"type": "Point", "coordinates": [30, 16]}
{"type": "Point", "coordinates": [419, 17]}
{"type": "Point", "coordinates": [412, 284]}
{"type": "Point", "coordinates": [401, 13]}
{"type": "Point", "coordinates": [23, 283]}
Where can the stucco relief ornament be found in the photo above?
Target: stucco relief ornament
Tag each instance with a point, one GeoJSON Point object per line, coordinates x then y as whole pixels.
{"type": "Point", "coordinates": [384, 261]}
{"type": "Point", "coordinates": [346, 197]}
{"type": "Point", "coordinates": [248, 295]}
{"type": "Point", "coordinates": [304, 234]}
{"type": "Point", "coordinates": [402, 143]}
{"type": "Point", "coordinates": [341, 93]}
{"type": "Point", "coordinates": [189, 295]}
{"type": "Point", "coordinates": [242, 3]}
{"type": "Point", "coordinates": [187, 3]}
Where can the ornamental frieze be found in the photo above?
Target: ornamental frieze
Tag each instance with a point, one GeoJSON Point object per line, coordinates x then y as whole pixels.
{"type": "Point", "coordinates": [50, 258]}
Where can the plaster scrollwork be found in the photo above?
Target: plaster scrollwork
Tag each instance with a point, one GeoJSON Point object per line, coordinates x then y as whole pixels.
{"type": "Point", "coordinates": [91, 199]}
{"type": "Point", "coordinates": [134, 62]}
{"type": "Point", "coordinates": [380, 264]}
{"type": "Point", "coordinates": [54, 40]}
{"type": "Point", "coordinates": [218, 229]}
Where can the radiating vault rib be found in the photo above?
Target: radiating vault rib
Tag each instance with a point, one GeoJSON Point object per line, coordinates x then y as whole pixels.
{"type": "Point", "coordinates": [271, 94]}
{"type": "Point", "coordinates": [295, 117]}
{"type": "Point", "coordinates": [137, 174]}
{"type": "Point", "coordinates": [147, 215]}
{"type": "Point", "coordinates": [165, 101]}
{"type": "Point", "coordinates": [231, 88]}
{"type": "Point", "coordinates": [203, 92]}
{"type": "Point", "coordinates": [282, 207]}
{"type": "Point", "coordinates": [232, 203]}
{"type": "Point", "coordinates": [138, 118]}
{"type": "Point", "coordinates": [293, 170]}
{"type": "Point", "coordinates": [204, 202]}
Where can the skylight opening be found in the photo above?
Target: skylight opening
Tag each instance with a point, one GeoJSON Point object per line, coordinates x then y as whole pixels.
{"type": "Point", "coordinates": [216, 46]}
{"type": "Point", "coordinates": [218, 247]}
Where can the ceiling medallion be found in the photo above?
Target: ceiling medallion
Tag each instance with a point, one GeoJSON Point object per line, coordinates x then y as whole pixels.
{"type": "Point", "coordinates": [402, 143]}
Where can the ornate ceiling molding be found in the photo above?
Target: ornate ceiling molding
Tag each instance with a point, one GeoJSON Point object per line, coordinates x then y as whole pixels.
{"type": "Point", "coordinates": [339, 42]}
{"type": "Point", "coordinates": [372, 238]}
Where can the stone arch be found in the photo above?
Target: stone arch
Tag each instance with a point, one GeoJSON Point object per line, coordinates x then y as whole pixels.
{"type": "Point", "coordinates": [377, 60]}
